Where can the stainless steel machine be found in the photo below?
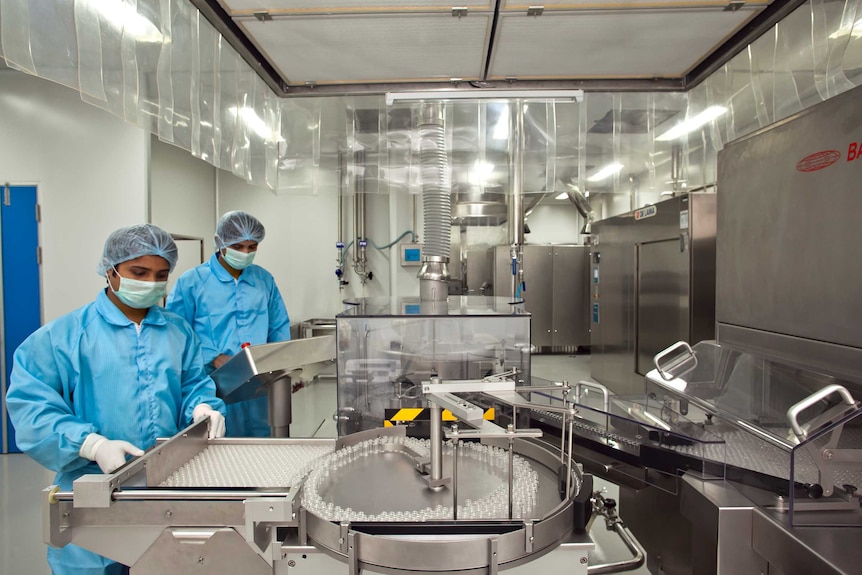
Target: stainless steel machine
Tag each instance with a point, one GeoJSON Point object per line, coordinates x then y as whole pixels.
{"type": "Point", "coordinates": [749, 447]}
{"type": "Point", "coordinates": [556, 296]}
{"type": "Point", "coordinates": [478, 493]}
{"type": "Point", "coordinates": [652, 283]}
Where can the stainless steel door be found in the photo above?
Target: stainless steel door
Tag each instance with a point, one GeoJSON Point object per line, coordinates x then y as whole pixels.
{"type": "Point", "coordinates": [662, 299]}
{"type": "Point", "coordinates": [570, 322]}
{"type": "Point", "coordinates": [538, 275]}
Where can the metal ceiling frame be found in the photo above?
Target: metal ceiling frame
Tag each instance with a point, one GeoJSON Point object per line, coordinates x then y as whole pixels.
{"type": "Point", "coordinates": [759, 25]}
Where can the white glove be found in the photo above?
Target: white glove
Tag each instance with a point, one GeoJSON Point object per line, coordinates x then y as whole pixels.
{"type": "Point", "coordinates": [216, 428]}
{"type": "Point", "coordinates": [110, 454]}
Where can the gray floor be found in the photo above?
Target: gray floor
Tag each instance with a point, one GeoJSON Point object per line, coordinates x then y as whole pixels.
{"type": "Point", "coordinates": [22, 480]}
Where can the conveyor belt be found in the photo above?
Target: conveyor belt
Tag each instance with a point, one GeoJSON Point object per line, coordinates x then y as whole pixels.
{"type": "Point", "coordinates": [742, 450]}
{"type": "Point", "coordinates": [254, 466]}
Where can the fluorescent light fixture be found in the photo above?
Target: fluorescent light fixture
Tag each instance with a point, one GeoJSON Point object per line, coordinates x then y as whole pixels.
{"type": "Point", "coordinates": [606, 172]}
{"type": "Point", "coordinates": [561, 196]}
{"type": "Point", "coordinates": [692, 123]}
{"type": "Point", "coordinates": [485, 94]}
{"type": "Point", "coordinates": [253, 122]}
{"type": "Point", "coordinates": [126, 18]}
{"type": "Point", "coordinates": [854, 31]}
{"type": "Point", "coordinates": [501, 128]}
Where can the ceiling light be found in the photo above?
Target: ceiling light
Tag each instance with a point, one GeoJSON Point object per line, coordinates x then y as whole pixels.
{"type": "Point", "coordinates": [561, 196]}
{"type": "Point", "coordinates": [126, 19]}
{"type": "Point", "coordinates": [485, 94]}
{"type": "Point", "coordinates": [606, 172]}
{"type": "Point", "coordinates": [501, 128]}
{"type": "Point", "coordinates": [854, 31]}
{"type": "Point", "coordinates": [692, 123]}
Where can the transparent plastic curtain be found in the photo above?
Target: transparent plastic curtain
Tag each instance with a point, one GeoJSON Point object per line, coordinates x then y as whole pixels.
{"type": "Point", "coordinates": [159, 65]}
{"type": "Point", "coordinates": [813, 54]}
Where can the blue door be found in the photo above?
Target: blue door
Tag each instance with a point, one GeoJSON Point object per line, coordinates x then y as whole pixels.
{"type": "Point", "coordinates": [22, 307]}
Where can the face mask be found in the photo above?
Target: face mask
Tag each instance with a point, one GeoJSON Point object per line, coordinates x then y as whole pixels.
{"type": "Point", "coordinates": [238, 260]}
{"type": "Point", "coordinates": [139, 294]}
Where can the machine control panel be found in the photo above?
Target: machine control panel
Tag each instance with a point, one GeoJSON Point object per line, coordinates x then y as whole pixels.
{"type": "Point", "coordinates": [411, 255]}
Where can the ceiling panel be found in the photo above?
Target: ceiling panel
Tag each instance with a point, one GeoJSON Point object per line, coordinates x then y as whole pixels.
{"type": "Point", "coordinates": [624, 44]}
{"type": "Point", "coordinates": [335, 6]}
{"type": "Point", "coordinates": [522, 6]}
{"type": "Point", "coordinates": [373, 48]}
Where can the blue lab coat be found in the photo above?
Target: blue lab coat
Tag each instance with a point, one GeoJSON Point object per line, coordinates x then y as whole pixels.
{"type": "Point", "coordinates": [226, 313]}
{"type": "Point", "coordinates": [96, 371]}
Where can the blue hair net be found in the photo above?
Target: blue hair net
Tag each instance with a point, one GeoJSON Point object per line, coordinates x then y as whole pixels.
{"type": "Point", "coordinates": [135, 241]}
{"type": "Point", "coordinates": [235, 227]}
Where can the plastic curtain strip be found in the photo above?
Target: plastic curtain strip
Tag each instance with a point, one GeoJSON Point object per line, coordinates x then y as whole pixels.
{"type": "Point", "coordinates": [160, 65]}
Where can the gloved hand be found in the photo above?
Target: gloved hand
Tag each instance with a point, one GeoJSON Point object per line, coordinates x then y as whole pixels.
{"type": "Point", "coordinates": [110, 454]}
{"type": "Point", "coordinates": [217, 427]}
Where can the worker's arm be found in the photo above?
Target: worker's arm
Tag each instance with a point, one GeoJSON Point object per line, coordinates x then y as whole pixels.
{"type": "Point", "coordinates": [39, 400]}
{"type": "Point", "coordinates": [279, 321]}
{"type": "Point", "coordinates": [181, 300]}
{"type": "Point", "coordinates": [197, 387]}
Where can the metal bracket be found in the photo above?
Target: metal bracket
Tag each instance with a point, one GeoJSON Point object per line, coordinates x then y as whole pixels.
{"type": "Point", "coordinates": [528, 536]}
{"type": "Point", "coordinates": [352, 554]}
{"type": "Point", "coordinates": [459, 11]}
{"type": "Point", "coordinates": [343, 537]}
{"type": "Point", "coordinates": [492, 556]}
{"type": "Point", "coordinates": [260, 517]}
{"type": "Point", "coordinates": [303, 526]}
{"type": "Point", "coordinates": [535, 10]}
{"type": "Point", "coordinates": [734, 5]}
{"type": "Point", "coordinates": [263, 16]}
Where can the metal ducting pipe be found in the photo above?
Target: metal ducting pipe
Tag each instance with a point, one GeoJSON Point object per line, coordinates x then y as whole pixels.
{"type": "Point", "coordinates": [676, 165]}
{"type": "Point", "coordinates": [360, 261]}
{"type": "Point", "coordinates": [436, 204]}
{"type": "Point", "coordinates": [516, 219]}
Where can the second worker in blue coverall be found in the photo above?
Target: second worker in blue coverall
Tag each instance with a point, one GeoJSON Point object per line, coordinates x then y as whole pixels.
{"type": "Point", "coordinates": [230, 301]}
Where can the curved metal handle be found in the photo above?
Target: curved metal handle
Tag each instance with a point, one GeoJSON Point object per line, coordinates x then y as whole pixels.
{"type": "Point", "coordinates": [598, 386]}
{"type": "Point", "coordinates": [795, 410]}
{"type": "Point", "coordinates": [689, 356]}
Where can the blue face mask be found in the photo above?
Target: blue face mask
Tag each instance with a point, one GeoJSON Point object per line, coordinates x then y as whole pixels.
{"type": "Point", "coordinates": [238, 260]}
{"type": "Point", "coordinates": [139, 294]}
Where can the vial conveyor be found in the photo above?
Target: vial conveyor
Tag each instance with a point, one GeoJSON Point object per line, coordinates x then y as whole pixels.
{"type": "Point", "coordinates": [473, 499]}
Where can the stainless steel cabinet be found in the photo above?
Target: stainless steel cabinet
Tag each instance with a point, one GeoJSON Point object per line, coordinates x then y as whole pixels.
{"type": "Point", "coordinates": [652, 284]}
{"type": "Point", "coordinates": [556, 296]}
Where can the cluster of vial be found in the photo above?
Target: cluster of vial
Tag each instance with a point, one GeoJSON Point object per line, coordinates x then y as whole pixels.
{"type": "Point", "coordinates": [270, 466]}
{"type": "Point", "coordinates": [493, 505]}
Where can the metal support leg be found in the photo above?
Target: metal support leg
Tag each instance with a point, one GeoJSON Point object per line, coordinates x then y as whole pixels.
{"type": "Point", "coordinates": [436, 443]}
{"type": "Point", "coordinates": [279, 405]}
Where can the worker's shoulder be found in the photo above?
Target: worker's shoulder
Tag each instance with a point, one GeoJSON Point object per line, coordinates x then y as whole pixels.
{"type": "Point", "coordinates": [259, 273]}
{"type": "Point", "coordinates": [200, 272]}
{"type": "Point", "coordinates": [69, 323]}
{"type": "Point", "coordinates": [175, 320]}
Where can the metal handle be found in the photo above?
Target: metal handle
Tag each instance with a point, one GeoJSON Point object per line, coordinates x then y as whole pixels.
{"type": "Point", "coordinates": [676, 362]}
{"type": "Point", "coordinates": [598, 386]}
{"type": "Point", "coordinates": [795, 410]}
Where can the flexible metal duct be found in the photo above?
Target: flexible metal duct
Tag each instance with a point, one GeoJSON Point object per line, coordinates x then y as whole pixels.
{"type": "Point", "coordinates": [436, 204]}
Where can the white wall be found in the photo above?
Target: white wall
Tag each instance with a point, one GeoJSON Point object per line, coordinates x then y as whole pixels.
{"type": "Point", "coordinates": [183, 201]}
{"type": "Point", "coordinates": [91, 171]}
{"type": "Point", "coordinates": [299, 249]}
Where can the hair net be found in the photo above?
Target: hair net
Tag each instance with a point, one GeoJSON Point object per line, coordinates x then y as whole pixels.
{"type": "Point", "coordinates": [235, 227]}
{"type": "Point", "coordinates": [135, 241]}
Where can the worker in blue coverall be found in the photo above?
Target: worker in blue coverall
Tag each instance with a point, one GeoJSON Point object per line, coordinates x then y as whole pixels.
{"type": "Point", "coordinates": [104, 381]}
{"type": "Point", "coordinates": [230, 301]}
